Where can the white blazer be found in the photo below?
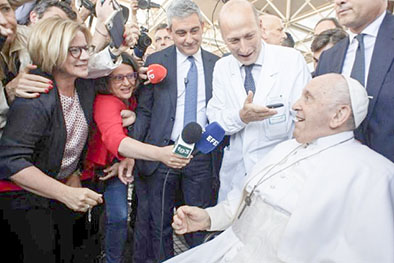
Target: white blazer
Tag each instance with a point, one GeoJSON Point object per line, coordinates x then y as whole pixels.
{"type": "Point", "coordinates": [283, 75]}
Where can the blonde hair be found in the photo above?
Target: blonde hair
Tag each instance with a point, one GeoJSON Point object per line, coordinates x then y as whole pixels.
{"type": "Point", "coordinates": [50, 40]}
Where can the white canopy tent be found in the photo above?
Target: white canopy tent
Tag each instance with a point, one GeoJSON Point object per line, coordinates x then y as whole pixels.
{"type": "Point", "coordinates": [299, 17]}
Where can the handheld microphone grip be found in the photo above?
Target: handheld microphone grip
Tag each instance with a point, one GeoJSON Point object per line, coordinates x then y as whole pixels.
{"type": "Point", "coordinates": [156, 73]}
{"type": "Point", "coordinates": [184, 146]}
{"type": "Point", "coordinates": [210, 139]}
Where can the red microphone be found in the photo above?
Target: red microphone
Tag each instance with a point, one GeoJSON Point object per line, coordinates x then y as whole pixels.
{"type": "Point", "coordinates": [156, 73]}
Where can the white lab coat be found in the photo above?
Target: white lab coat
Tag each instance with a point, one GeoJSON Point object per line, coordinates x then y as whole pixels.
{"type": "Point", "coordinates": [283, 75]}
{"type": "Point", "coordinates": [344, 212]}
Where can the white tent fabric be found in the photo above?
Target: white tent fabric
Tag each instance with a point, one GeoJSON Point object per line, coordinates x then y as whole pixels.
{"type": "Point", "coordinates": [299, 17]}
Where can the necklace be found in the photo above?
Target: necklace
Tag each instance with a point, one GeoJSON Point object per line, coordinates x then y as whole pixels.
{"type": "Point", "coordinates": [264, 178]}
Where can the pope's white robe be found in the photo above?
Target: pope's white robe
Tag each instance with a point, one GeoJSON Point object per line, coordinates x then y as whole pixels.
{"type": "Point", "coordinates": [338, 196]}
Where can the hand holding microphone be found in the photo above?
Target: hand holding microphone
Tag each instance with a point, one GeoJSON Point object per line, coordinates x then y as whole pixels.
{"type": "Point", "coordinates": [178, 155]}
{"type": "Point", "coordinates": [192, 137]}
{"type": "Point", "coordinates": [154, 73]}
{"type": "Point", "coordinates": [190, 218]}
{"type": "Point", "coordinates": [171, 159]}
{"type": "Point", "coordinates": [191, 134]}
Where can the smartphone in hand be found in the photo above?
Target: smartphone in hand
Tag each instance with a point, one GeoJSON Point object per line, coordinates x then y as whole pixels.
{"type": "Point", "coordinates": [115, 27]}
{"type": "Point", "coordinates": [274, 105]}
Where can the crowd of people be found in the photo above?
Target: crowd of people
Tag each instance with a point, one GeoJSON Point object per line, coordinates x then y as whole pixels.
{"type": "Point", "coordinates": [304, 174]}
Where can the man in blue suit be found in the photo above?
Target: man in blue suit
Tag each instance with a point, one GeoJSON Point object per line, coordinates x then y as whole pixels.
{"type": "Point", "coordinates": [368, 56]}
{"type": "Point", "coordinates": [163, 110]}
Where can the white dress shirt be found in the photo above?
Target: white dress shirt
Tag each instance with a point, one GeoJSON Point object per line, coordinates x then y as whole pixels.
{"type": "Point", "coordinates": [183, 66]}
{"type": "Point", "coordinates": [256, 68]}
{"type": "Point", "coordinates": [371, 32]}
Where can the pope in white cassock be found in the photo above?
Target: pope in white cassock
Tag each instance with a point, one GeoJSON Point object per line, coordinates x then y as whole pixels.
{"type": "Point", "coordinates": [321, 197]}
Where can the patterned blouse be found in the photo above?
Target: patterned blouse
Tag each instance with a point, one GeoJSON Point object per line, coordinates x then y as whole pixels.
{"type": "Point", "coordinates": [77, 134]}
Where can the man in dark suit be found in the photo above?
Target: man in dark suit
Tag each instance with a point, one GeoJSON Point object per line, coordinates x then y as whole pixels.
{"type": "Point", "coordinates": [368, 56]}
{"type": "Point", "coordinates": [163, 110]}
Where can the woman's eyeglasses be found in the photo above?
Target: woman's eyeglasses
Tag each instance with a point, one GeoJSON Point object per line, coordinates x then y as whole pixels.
{"type": "Point", "coordinates": [76, 52]}
{"type": "Point", "coordinates": [119, 78]}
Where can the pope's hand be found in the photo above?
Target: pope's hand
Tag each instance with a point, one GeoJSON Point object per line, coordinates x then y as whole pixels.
{"type": "Point", "coordinates": [253, 112]}
{"type": "Point", "coordinates": [190, 219]}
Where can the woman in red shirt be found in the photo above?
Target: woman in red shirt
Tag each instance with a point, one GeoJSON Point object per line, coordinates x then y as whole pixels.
{"type": "Point", "coordinates": [115, 95]}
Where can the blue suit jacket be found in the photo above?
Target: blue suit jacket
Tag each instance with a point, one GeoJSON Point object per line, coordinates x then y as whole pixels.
{"type": "Point", "coordinates": [377, 130]}
{"type": "Point", "coordinates": [157, 103]}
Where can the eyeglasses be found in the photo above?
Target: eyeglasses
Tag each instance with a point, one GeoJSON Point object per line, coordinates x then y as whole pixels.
{"type": "Point", "coordinates": [119, 78]}
{"type": "Point", "coordinates": [76, 52]}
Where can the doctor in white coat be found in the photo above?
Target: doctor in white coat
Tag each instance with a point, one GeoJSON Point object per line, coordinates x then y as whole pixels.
{"type": "Point", "coordinates": [279, 75]}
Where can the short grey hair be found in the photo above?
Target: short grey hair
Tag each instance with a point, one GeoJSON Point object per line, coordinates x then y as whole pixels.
{"type": "Point", "coordinates": [182, 9]}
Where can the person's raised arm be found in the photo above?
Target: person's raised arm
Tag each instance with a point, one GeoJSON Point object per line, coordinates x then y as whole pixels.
{"type": "Point", "coordinates": [109, 122]}
{"type": "Point", "coordinates": [105, 61]}
{"type": "Point", "coordinates": [101, 36]}
{"type": "Point", "coordinates": [134, 9]}
{"type": "Point", "coordinates": [132, 148]}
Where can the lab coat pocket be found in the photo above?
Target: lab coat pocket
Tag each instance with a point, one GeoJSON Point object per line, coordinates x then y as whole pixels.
{"type": "Point", "coordinates": [277, 126]}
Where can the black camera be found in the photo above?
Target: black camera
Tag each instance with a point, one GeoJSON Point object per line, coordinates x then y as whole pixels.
{"type": "Point", "coordinates": [89, 6]}
{"type": "Point", "coordinates": [92, 7]}
{"type": "Point", "coordinates": [147, 4]}
{"type": "Point", "coordinates": [144, 41]}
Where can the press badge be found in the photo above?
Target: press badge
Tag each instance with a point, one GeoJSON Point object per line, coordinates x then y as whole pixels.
{"type": "Point", "coordinates": [277, 126]}
{"type": "Point", "coordinates": [277, 119]}
{"type": "Point", "coordinates": [281, 115]}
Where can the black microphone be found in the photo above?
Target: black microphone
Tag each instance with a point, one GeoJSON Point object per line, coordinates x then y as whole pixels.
{"type": "Point", "coordinates": [147, 4]}
{"type": "Point", "coordinates": [191, 134]}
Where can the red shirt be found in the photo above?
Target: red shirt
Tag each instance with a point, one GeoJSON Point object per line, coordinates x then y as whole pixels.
{"type": "Point", "coordinates": [103, 147]}
{"type": "Point", "coordinates": [8, 186]}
